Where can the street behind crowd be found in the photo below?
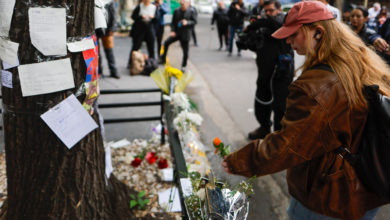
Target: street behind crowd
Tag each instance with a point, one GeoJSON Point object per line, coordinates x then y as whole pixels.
{"type": "Point", "coordinates": [224, 89]}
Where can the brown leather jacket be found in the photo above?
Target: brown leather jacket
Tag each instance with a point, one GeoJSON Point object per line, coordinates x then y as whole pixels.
{"type": "Point", "coordinates": [317, 121]}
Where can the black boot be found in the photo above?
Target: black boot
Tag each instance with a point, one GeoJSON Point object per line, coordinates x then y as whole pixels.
{"type": "Point", "coordinates": [111, 63]}
{"type": "Point", "coordinates": [259, 133]}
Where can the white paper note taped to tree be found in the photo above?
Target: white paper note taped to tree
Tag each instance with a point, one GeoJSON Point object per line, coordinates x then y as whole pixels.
{"type": "Point", "coordinates": [78, 46]}
{"type": "Point", "coordinates": [48, 30]}
{"type": "Point", "coordinates": [46, 77]}
{"type": "Point", "coordinates": [108, 161]}
{"type": "Point", "coordinates": [6, 11]}
{"type": "Point", "coordinates": [7, 66]}
{"type": "Point", "coordinates": [9, 51]}
{"type": "Point", "coordinates": [69, 121]}
{"type": "Point", "coordinates": [6, 78]}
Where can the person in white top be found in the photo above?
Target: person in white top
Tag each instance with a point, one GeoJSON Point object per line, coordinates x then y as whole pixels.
{"type": "Point", "coordinates": [143, 28]}
{"type": "Point", "coordinates": [372, 13]}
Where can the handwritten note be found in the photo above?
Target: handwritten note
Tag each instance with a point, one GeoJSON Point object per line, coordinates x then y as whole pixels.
{"type": "Point", "coordinates": [78, 46]}
{"type": "Point", "coordinates": [46, 77]}
{"type": "Point", "coordinates": [6, 78]}
{"type": "Point", "coordinates": [186, 186]}
{"type": "Point", "coordinates": [48, 30]}
{"type": "Point", "coordinates": [9, 51]}
{"type": "Point", "coordinates": [69, 121]}
{"type": "Point", "coordinates": [6, 11]}
{"type": "Point", "coordinates": [169, 200]}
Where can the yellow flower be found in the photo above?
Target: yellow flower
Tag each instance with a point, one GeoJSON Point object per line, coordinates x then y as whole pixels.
{"type": "Point", "coordinates": [173, 72]}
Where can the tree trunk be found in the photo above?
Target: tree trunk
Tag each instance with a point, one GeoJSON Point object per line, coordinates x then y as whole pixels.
{"type": "Point", "coordinates": [46, 180]}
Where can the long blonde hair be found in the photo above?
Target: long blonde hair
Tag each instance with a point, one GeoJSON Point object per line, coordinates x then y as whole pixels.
{"type": "Point", "coordinates": [354, 63]}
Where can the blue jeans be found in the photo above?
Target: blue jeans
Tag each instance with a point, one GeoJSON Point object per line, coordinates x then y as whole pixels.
{"type": "Point", "coordinates": [232, 32]}
{"type": "Point", "coordinates": [296, 211]}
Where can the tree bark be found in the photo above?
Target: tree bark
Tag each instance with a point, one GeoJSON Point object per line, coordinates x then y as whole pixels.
{"type": "Point", "coordinates": [46, 180]}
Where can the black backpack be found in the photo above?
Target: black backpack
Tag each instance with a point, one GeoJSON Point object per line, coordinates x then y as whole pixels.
{"type": "Point", "coordinates": [371, 162]}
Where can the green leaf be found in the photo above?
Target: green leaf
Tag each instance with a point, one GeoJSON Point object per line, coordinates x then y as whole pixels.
{"type": "Point", "coordinates": [132, 196]}
{"type": "Point", "coordinates": [133, 203]}
{"type": "Point", "coordinates": [141, 194]}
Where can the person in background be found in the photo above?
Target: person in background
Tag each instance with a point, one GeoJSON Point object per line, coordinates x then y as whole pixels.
{"type": "Point", "coordinates": [108, 41]}
{"type": "Point", "coordinates": [161, 10]}
{"type": "Point", "coordinates": [334, 10]}
{"type": "Point", "coordinates": [347, 13]}
{"type": "Point", "coordinates": [144, 16]}
{"type": "Point", "coordinates": [257, 10]}
{"type": "Point", "coordinates": [236, 13]}
{"type": "Point", "coordinates": [358, 19]}
{"type": "Point", "coordinates": [182, 22]}
{"type": "Point", "coordinates": [326, 110]}
{"type": "Point", "coordinates": [372, 13]}
{"type": "Point", "coordinates": [222, 20]}
{"type": "Point", "coordinates": [275, 67]}
{"type": "Point", "coordinates": [384, 32]}
{"type": "Point", "coordinates": [382, 16]}
{"type": "Point", "coordinates": [193, 33]}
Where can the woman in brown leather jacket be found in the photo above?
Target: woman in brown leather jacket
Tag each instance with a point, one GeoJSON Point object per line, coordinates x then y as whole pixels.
{"type": "Point", "coordinates": [325, 110]}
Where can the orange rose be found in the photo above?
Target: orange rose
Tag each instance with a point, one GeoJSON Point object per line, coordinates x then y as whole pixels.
{"type": "Point", "coordinates": [216, 142]}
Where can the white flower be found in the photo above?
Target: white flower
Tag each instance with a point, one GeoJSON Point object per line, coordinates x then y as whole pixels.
{"type": "Point", "coordinates": [180, 101]}
{"type": "Point", "coordinates": [186, 119]}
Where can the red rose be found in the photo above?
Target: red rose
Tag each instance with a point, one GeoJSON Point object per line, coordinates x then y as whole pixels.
{"type": "Point", "coordinates": [162, 163]}
{"type": "Point", "coordinates": [136, 162]}
{"type": "Point", "coordinates": [151, 157]}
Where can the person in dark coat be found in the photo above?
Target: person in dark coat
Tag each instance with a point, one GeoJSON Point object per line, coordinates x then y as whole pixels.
{"type": "Point", "coordinates": [236, 13]}
{"type": "Point", "coordinates": [182, 22]}
{"type": "Point", "coordinates": [222, 20]}
{"type": "Point", "coordinates": [108, 42]}
{"type": "Point", "coordinates": [161, 10]}
{"type": "Point", "coordinates": [257, 9]}
{"type": "Point", "coordinates": [193, 27]}
{"type": "Point", "coordinates": [144, 16]}
{"type": "Point", "coordinates": [275, 66]}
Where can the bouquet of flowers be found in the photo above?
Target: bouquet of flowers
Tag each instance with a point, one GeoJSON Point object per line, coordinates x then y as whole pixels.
{"type": "Point", "coordinates": [214, 200]}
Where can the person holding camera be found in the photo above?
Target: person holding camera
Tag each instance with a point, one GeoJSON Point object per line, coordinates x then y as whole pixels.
{"type": "Point", "coordinates": [275, 65]}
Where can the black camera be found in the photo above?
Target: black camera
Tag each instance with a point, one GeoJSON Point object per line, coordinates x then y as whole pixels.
{"type": "Point", "coordinates": [252, 40]}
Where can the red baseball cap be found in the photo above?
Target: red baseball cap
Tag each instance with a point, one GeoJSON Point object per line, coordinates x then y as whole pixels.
{"type": "Point", "coordinates": [304, 12]}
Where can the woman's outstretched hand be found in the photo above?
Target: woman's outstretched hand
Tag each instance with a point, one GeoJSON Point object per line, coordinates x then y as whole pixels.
{"type": "Point", "coordinates": [225, 166]}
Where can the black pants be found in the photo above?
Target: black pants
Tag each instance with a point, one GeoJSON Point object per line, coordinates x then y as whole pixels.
{"type": "Point", "coordinates": [110, 60]}
{"type": "Point", "coordinates": [137, 42]}
{"type": "Point", "coordinates": [223, 35]}
{"type": "Point", "coordinates": [159, 37]}
{"type": "Point", "coordinates": [184, 46]}
{"type": "Point", "coordinates": [194, 35]}
{"type": "Point", "coordinates": [267, 61]}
